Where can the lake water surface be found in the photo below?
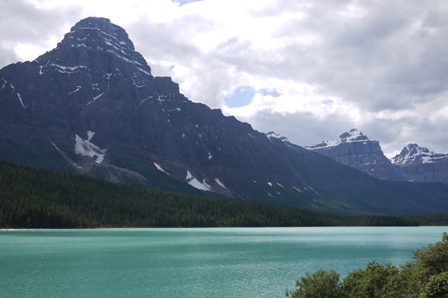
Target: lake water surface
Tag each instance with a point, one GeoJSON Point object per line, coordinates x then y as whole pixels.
{"type": "Point", "coordinates": [206, 262]}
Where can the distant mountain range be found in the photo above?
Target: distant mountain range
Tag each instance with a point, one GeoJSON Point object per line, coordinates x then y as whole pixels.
{"type": "Point", "coordinates": [92, 106]}
{"type": "Point", "coordinates": [414, 163]}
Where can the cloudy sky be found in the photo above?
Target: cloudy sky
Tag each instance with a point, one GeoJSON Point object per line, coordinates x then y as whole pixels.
{"type": "Point", "coordinates": [307, 69]}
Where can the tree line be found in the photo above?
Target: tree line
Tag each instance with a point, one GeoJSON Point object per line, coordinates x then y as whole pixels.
{"type": "Point", "coordinates": [38, 198]}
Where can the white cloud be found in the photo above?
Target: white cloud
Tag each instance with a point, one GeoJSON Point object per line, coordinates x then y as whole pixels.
{"type": "Point", "coordinates": [379, 66]}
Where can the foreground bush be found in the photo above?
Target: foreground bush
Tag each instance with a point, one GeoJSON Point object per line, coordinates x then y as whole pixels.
{"type": "Point", "coordinates": [426, 276]}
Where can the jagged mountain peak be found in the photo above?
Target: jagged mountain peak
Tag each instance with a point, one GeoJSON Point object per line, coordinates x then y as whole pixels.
{"type": "Point", "coordinates": [354, 135]}
{"type": "Point", "coordinates": [413, 153]}
{"type": "Point", "coordinates": [104, 27]}
{"type": "Point", "coordinates": [93, 39]}
{"type": "Point", "coordinates": [416, 149]}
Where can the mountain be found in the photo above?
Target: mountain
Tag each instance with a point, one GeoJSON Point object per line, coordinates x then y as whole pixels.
{"type": "Point", "coordinates": [414, 163]}
{"type": "Point", "coordinates": [419, 164]}
{"type": "Point", "coordinates": [92, 106]}
{"type": "Point", "coordinates": [355, 149]}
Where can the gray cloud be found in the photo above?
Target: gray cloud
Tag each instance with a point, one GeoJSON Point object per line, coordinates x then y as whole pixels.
{"type": "Point", "coordinates": [7, 55]}
{"type": "Point", "coordinates": [387, 51]}
{"type": "Point", "coordinates": [165, 41]}
{"type": "Point", "coordinates": [23, 23]}
{"type": "Point", "coordinates": [301, 128]}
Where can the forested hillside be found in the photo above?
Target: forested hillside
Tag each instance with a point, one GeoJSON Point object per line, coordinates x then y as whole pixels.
{"type": "Point", "coordinates": [37, 198]}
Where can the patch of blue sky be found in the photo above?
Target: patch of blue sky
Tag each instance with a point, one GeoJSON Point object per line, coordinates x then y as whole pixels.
{"type": "Point", "coordinates": [273, 93]}
{"type": "Point", "coordinates": [243, 95]}
{"type": "Point", "coordinates": [183, 2]}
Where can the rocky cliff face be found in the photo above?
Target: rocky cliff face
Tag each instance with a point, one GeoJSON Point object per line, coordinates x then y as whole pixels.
{"type": "Point", "coordinates": [92, 106]}
{"type": "Point", "coordinates": [422, 165]}
{"type": "Point", "coordinates": [353, 148]}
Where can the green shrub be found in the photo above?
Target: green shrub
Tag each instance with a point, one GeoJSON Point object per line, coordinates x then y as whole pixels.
{"type": "Point", "coordinates": [426, 276]}
{"type": "Point", "coordinates": [323, 284]}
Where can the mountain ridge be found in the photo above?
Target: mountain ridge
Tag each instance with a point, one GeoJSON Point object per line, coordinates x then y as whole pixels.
{"type": "Point", "coordinates": [413, 153]}
{"type": "Point", "coordinates": [91, 105]}
{"type": "Point", "coordinates": [354, 135]}
{"type": "Point", "coordinates": [413, 163]}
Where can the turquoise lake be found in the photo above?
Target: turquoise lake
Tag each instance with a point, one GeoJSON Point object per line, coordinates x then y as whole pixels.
{"type": "Point", "coordinates": [206, 262]}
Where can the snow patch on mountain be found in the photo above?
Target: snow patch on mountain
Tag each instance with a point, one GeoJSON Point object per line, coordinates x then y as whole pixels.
{"type": "Point", "coordinates": [76, 90]}
{"type": "Point", "coordinates": [196, 183]}
{"type": "Point", "coordinates": [273, 135]}
{"type": "Point", "coordinates": [220, 183]}
{"type": "Point", "coordinates": [21, 101]}
{"type": "Point", "coordinates": [160, 168]}
{"type": "Point", "coordinates": [87, 148]}
{"type": "Point", "coordinates": [296, 188]}
{"type": "Point", "coordinates": [13, 91]}
{"type": "Point", "coordinates": [95, 99]}
{"type": "Point", "coordinates": [67, 69]}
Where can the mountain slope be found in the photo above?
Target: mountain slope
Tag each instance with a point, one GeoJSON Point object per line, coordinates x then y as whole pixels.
{"type": "Point", "coordinates": [91, 105]}
{"type": "Point", "coordinates": [38, 198]}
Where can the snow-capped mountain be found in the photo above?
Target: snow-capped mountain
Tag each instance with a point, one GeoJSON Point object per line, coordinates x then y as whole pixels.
{"type": "Point", "coordinates": [353, 135]}
{"type": "Point", "coordinates": [422, 165]}
{"type": "Point", "coordinates": [414, 163]}
{"type": "Point", "coordinates": [92, 106]}
{"type": "Point", "coordinates": [353, 148]}
{"type": "Point", "coordinates": [413, 154]}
